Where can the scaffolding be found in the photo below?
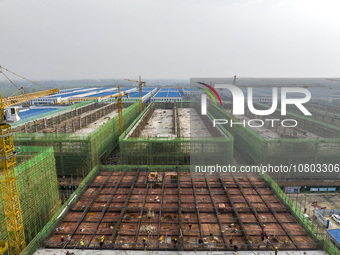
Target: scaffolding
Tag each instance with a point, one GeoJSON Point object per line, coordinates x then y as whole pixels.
{"type": "Point", "coordinates": [38, 189]}
{"type": "Point", "coordinates": [77, 153]}
{"type": "Point", "coordinates": [173, 148]}
{"type": "Point", "coordinates": [325, 113]}
{"type": "Point", "coordinates": [255, 149]}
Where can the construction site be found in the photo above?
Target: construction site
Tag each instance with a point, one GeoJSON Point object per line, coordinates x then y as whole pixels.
{"type": "Point", "coordinates": [162, 135]}
{"type": "Point", "coordinates": [222, 210]}
{"type": "Point", "coordinates": [311, 141]}
{"type": "Point", "coordinates": [81, 134]}
{"type": "Point", "coordinates": [114, 174]}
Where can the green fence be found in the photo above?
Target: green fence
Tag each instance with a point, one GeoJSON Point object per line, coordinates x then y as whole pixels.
{"type": "Point", "coordinates": [38, 190]}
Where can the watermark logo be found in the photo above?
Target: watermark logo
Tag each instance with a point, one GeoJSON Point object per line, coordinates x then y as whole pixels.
{"type": "Point", "coordinates": [204, 97]}
{"type": "Point", "coordinates": [239, 99]}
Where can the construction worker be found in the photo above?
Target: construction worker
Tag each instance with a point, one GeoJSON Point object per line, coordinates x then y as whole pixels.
{"type": "Point", "coordinates": [276, 250]}
{"type": "Point", "coordinates": [262, 235]}
{"type": "Point", "coordinates": [101, 242]}
{"type": "Point", "coordinates": [235, 248]}
{"type": "Point", "coordinates": [144, 242]}
{"type": "Point", "coordinates": [62, 239]}
{"type": "Point", "coordinates": [82, 244]}
{"type": "Point", "coordinates": [189, 226]}
{"type": "Point", "coordinates": [231, 241]}
{"type": "Point", "coordinates": [267, 242]}
{"type": "Point", "coordinates": [200, 241]}
{"type": "Point", "coordinates": [68, 239]}
{"type": "Point", "coordinates": [175, 242]}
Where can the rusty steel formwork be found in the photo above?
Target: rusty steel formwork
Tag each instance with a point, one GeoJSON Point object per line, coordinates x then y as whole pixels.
{"type": "Point", "coordinates": [223, 210]}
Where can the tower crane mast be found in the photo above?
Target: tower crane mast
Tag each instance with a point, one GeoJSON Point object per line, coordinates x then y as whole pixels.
{"type": "Point", "coordinates": [140, 84]}
{"type": "Point", "coordinates": [120, 109]}
{"type": "Point", "coordinates": [8, 181]}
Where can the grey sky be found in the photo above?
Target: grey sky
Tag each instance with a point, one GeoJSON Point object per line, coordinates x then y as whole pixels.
{"type": "Point", "coordinates": [79, 39]}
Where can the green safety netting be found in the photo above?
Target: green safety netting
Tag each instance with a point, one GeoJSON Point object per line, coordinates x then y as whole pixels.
{"type": "Point", "coordinates": [172, 150]}
{"type": "Point", "coordinates": [38, 190]}
{"type": "Point", "coordinates": [76, 153]}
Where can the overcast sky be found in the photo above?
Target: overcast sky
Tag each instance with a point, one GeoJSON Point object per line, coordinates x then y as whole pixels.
{"type": "Point", "coordinates": [81, 39]}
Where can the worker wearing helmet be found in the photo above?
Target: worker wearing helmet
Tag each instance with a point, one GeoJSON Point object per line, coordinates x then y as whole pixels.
{"type": "Point", "coordinates": [68, 238]}
{"type": "Point", "coordinates": [101, 242]}
{"type": "Point", "coordinates": [82, 244]}
{"type": "Point", "coordinates": [276, 250]}
{"type": "Point", "coordinates": [144, 242]}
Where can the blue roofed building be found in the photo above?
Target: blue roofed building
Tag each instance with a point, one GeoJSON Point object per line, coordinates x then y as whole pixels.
{"type": "Point", "coordinates": [147, 93]}
{"type": "Point", "coordinates": [78, 93]}
{"type": "Point", "coordinates": [167, 95]}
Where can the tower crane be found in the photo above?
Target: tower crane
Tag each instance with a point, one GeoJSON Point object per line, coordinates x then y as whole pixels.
{"type": "Point", "coordinates": [8, 182]}
{"type": "Point", "coordinates": [140, 84]}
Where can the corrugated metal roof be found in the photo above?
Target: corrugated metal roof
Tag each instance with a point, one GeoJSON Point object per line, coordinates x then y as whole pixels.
{"type": "Point", "coordinates": [32, 112]}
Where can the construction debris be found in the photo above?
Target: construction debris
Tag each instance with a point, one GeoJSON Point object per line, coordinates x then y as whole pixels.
{"type": "Point", "coordinates": [148, 229]}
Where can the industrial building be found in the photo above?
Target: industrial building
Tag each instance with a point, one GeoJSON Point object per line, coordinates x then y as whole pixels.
{"type": "Point", "coordinates": [167, 95]}
{"type": "Point", "coordinates": [147, 93]}
{"type": "Point", "coordinates": [60, 96]}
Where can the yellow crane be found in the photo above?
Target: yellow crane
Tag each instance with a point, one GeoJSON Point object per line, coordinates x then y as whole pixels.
{"type": "Point", "coordinates": [140, 84]}
{"type": "Point", "coordinates": [8, 182]}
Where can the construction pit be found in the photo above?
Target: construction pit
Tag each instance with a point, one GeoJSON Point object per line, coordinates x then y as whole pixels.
{"type": "Point", "coordinates": [172, 134]}
{"type": "Point", "coordinates": [127, 206]}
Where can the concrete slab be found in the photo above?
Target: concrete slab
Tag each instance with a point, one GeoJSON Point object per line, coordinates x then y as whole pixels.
{"type": "Point", "coordinates": [94, 125]}
{"type": "Point", "coordinates": [190, 115]}
{"type": "Point", "coordinates": [159, 125]}
{"type": "Point", "coordinates": [113, 252]}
